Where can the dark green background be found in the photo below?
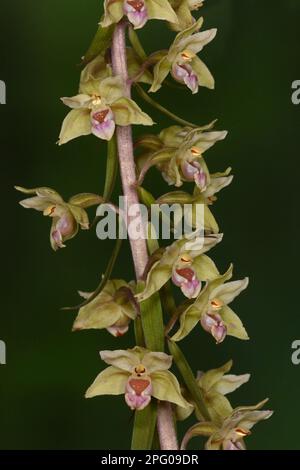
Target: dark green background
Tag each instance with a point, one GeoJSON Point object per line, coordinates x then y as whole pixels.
{"type": "Point", "coordinates": [254, 58]}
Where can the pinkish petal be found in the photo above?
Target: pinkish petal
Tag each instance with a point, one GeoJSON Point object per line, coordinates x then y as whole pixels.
{"type": "Point", "coordinates": [103, 124]}
{"type": "Point", "coordinates": [186, 279]}
{"type": "Point", "coordinates": [138, 392]}
{"type": "Point", "coordinates": [56, 235]}
{"type": "Point", "coordinates": [136, 12]}
{"type": "Point", "coordinates": [190, 170]}
{"type": "Point", "coordinates": [66, 225]}
{"type": "Point", "coordinates": [191, 289]}
{"type": "Point", "coordinates": [213, 324]}
{"type": "Point", "coordinates": [184, 73]}
{"type": "Point", "coordinates": [201, 180]}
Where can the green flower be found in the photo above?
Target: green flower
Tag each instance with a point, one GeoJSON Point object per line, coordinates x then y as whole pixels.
{"type": "Point", "coordinates": [214, 385]}
{"type": "Point", "coordinates": [183, 63]}
{"type": "Point", "coordinates": [191, 209]}
{"type": "Point", "coordinates": [185, 263]}
{"type": "Point", "coordinates": [140, 375]}
{"type": "Point", "coordinates": [231, 433]}
{"type": "Point", "coordinates": [138, 12]}
{"type": "Point", "coordinates": [212, 311]}
{"type": "Point", "coordinates": [194, 202]}
{"type": "Point", "coordinates": [98, 108]}
{"type": "Point", "coordinates": [178, 153]}
{"type": "Point", "coordinates": [112, 309]}
{"type": "Point", "coordinates": [183, 9]}
{"type": "Point", "coordinates": [67, 217]}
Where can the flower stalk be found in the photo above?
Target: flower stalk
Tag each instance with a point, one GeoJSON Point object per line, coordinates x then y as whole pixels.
{"type": "Point", "coordinates": [166, 430]}
{"type": "Point", "coordinates": [125, 148]}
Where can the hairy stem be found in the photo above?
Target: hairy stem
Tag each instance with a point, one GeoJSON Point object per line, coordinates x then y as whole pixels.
{"type": "Point", "coordinates": [165, 422]}
{"type": "Point", "coordinates": [166, 427]}
{"type": "Point", "coordinates": [125, 148]}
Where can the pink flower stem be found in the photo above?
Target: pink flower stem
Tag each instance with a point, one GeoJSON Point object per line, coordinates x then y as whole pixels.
{"type": "Point", "coordinates": [166, 429]}
{"type": "Point", "coordinates": [125, 149]}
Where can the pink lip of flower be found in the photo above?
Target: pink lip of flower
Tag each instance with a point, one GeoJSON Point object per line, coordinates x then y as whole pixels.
{"type": "Point", "coordinates": [213, 324]}
{"type": "Point", "coordinates": [56, 235]}
{"type": "Point", "coordinates": [185, 74]}
{"type": "Point", "coordinates": [64, 227]}
{"type": "Point", "coordinates": [103, 124]}
{"type": "Point", "coordinates": [136, 12]}
{"type": "Point", "coordinates": [186, 279]}
{"type": "Point", "coordinates": [138, 392]}
{"type": "Point", "coordinates": [192, 171]}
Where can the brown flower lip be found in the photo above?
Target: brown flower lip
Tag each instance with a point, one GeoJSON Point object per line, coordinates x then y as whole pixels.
{"type": "Point", "coordinates": [101, 115]}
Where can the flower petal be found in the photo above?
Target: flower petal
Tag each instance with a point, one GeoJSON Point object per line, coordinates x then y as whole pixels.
{"type": "Point", "coordinates": [203, 74]}
{"type": "Point", "coordinates": [103, 128]}
{"type": "Point", "coordinates": [42, 192]}
{"type": "Point", "coordinates": [111, 89]}
{"type": "Point", "coordinates": [219, 407]}
{"type": "Point", "coordinates": [94, 72]}
{"type": "Point", "coordinates": [229, 291]}
{"type": "Point", "coordinates": [86, 200]}
{"type": "Point", "coordinates": [160, 72]}
{"type": "Point", "coordinates": [192, 315]}
{"type": "Point", "coordinates": [233, 323]}
{"type": "Point", "coordinates": [125, 360]}
{"type": "Point", "coordinates": [75, 124]}
{"type": "Point", "coordinates": [166, 388]}
{"type": "Point", "coordinates": [229, 383]}
{"type": "Point", "coordinates": [161, 10]}
{"type": "Point", "coordinates": [138, 14]}
{"type": "Point", "coordinates": [183, 38]}
{"type": "Point", "coordinates": [127, 112]}
{"type": "Point", "coordinates": [113, 12]}
{"type": "Point", "coordinates": [210, 379]}
{"type": "Point", "coordinates": [217, 183]}
{"type": "Point", "coordinates": [80, 215]}
{"type": "Point", "coordinates": [199, 429]}
{"type": "Point", "coordinates": [111, 381]}
{"type": "Point", "coordinates": [37, 203]}
{"type": "Point", "coordinates": [196, 42]}
{"type": "Point", "coordinates": [97, 316]}
{"type": "Point", "coordinates": [79, 101]}
{"type": "Point", "coordinates": [205, 268]}
{"type": "Point", "coordinates": [154, 361]}
{"type": "Point", "coordinates": [253, 417]}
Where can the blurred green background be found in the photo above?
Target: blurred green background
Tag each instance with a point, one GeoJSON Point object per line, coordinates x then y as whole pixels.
{"type": "Point", "coordinates": [254, 59]}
